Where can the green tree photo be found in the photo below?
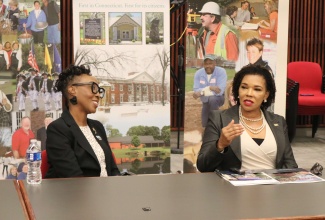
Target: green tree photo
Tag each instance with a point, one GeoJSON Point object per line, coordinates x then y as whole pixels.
{"type": "Point", "coordinates": [165, 135]}
{"type": "Point", "coordinates": [113, 132]}
{"type": "Point", "coordinates": [135, 141]}
{"type": "Point", "coordinates": [144, 131]}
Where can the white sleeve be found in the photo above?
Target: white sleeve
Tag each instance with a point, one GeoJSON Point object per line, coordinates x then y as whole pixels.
{"type": "Point", "coordinates": [6, 57]}
{"type": "Point", "coordinates": [19, 58]}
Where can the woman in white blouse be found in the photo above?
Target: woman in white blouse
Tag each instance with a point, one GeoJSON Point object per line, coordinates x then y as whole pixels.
{"type": "Point", "coordinates": [246, 136]}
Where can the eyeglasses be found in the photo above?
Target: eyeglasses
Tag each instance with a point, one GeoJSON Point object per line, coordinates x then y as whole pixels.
{"type": "Point", "coordinates": [94, 88]}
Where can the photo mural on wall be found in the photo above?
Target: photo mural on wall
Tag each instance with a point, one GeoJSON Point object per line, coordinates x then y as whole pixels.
{"type": "Point", "coordinates": [126, 46]}
{"type": "Point", "coordinates": [235, 33]}
{"type": "Point", "coordinates": [30, 61]}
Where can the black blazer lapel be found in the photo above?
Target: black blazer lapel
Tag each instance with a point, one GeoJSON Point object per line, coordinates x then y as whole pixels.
{"type": "Point", "coordinates": [276, 127]}
{"type": "Point", "coordinates": [81, 139]}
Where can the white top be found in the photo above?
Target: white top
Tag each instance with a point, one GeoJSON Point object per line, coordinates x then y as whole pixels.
{"type": "Point", "coordinates": [256, 156]}
{"type": "Point", "coordinates": [243, 15]}
{"type": "Point", "coordinates": [37, 12]}
{"type": "Point", "coordinates": [44, 87]}
{"type": "Point", "coordinates": [97, 149]}
{"type": "Point", "coordinates": [19, 86]}
{"type": "Point", "coordinates": [18, 56]}
{"type": "Point", "coordinates": [209, 77]}
{"type": "Point", "coordinates": [32, 82]}
{"type": "Point", "coordinates": [231, 23]}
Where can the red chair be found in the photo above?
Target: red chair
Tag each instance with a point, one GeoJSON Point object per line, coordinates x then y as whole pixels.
{"type": "Point", "coordinates": [311, 100]}
{"type": "Point", "coordinates": [44, 164]}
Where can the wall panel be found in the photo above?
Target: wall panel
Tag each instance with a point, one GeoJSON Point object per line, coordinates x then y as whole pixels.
{"type": "Point", "coordinates": [67, 33]}
{"type": "Point", "coordinates": [177, 39]}
{"type": "Point", "coordinates": [306, 42]}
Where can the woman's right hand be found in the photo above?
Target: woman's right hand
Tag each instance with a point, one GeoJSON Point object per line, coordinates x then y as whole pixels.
{"type": "Point", "coordinates": [228, 134]}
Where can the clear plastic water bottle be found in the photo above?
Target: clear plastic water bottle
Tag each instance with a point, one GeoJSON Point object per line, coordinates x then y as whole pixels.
{"type": "Point", "coordinates": [34, 160]}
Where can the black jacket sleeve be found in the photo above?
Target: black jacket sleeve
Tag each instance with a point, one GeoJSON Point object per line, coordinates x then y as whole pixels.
{"type": "Point", "coordinates": [59, 147]}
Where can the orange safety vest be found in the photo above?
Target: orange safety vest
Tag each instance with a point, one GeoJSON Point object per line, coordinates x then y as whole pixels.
{"type": "Point", "coordinates": [216, 44]}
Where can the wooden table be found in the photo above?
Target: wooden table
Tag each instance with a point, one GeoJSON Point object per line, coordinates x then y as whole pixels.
{"type": "Point", "coordinates": [249, 34]}
{"type": "Point", "coordinates": [12, 205]}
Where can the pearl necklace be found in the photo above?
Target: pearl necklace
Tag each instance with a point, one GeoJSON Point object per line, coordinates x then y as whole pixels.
{"type": "Point", "coordinates": [249, 119]}
{"type": "Point", "coordinates": [251, 129]}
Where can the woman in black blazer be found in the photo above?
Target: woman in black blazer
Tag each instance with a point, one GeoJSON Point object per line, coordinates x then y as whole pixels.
{"type": "Point", "coordinates": [76, 145]}
{"type": "Point", "coordinates": [246, 136]}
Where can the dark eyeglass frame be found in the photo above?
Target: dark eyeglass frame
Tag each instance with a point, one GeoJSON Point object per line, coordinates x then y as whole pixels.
{"type": "Point", "coordinates": [94, 86]}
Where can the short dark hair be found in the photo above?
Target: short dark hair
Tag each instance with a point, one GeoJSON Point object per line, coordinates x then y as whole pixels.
{"type": "Point", "coordinates": [67, 76]}
{"type": "Point", "coordinates": [217, 18]}
{"type": "Point", "coordinates": [244, 2]}
{"type": "Point", "coordinates": [231, 9]}
{"type": "Point", "coordinates": [37, 2]}
{"type": "Point", "coordinates": [255, 70]}
{"type": "Point", "coordinates": [255, 42]}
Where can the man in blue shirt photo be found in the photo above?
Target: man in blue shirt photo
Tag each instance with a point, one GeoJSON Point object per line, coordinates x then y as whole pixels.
{"type": "Point", "coordinates": [209, 85]}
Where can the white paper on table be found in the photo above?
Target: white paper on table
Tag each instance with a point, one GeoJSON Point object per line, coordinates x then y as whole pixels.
{"type": "Point", "coordinates": [249, 26]}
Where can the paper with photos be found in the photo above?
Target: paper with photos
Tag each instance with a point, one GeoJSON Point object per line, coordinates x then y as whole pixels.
{"type": "Point", "coordinates": [296, 177]}
{"type": "Point", "coordinates": [249, 179]}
